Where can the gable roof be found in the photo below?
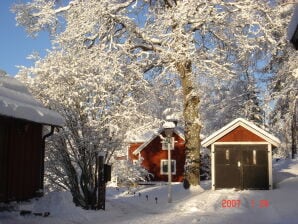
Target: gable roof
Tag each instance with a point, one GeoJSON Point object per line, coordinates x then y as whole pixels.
{"type": "Point", "coordinates": [179, 131]}
{"type": "Point", "coordinates": [17, 102]}
{"type": "Point", "coordinates": [247, 125]}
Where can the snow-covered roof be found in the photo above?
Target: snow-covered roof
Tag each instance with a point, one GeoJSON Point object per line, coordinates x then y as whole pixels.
{"type": "Point", "coordinates": [179, 131]}
{"type": "Point", "coordinates": [138, 138]}
{"type": "Point", "coordinates": [244, 123]}
{"type": "Point", "coordinates": [293, 23]}
{"type": "Point", "coordinates": [17, 102]}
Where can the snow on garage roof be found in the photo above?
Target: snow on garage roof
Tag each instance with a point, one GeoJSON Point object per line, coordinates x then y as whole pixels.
{"type": "Point", "coordinates": [244, 123]}
{"type": "Point", "coordinates": [17, 102]}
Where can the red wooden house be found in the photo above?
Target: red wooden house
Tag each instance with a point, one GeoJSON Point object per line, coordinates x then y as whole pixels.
{"type": "Point", "coordinates": [22, 141]}
{"type": "Point", "coordinates": [155, 158]}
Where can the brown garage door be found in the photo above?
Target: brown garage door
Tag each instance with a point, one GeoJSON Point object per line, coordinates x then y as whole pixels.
{"type": "Point", "coordinates": [241, 166]}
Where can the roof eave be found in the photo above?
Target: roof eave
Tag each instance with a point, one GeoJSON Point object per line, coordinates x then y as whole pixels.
{"type": "Point", "coordinates": [60, 125]}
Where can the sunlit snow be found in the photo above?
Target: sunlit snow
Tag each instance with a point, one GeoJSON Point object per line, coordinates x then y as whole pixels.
{"type": "Point", "coordinates": [198, 205]}
{"type": "Point", "coordinates": [17, 102]}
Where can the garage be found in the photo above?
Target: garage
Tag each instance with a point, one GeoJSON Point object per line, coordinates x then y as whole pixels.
{"type": "Point", "coordinates": [241, 156]}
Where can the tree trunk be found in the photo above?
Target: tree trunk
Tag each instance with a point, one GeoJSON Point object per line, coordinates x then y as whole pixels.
{"type": "Point", "coordinates": [192, 123]}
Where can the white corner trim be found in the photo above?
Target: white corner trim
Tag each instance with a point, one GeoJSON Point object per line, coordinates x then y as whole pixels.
{"type": "Point", "coordinates": [212, 167]}
{"type": "Point", "coordinates": [270, 167]}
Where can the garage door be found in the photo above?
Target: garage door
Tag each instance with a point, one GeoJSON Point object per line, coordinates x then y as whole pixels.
{"type": "Point", "coordinates": [241, 166]}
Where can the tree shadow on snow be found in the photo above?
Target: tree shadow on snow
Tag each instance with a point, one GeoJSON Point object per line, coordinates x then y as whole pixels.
{"type": "Point", "coordinates": [280, 172]}
{"type": "Point", "coordinates": [206, 184]}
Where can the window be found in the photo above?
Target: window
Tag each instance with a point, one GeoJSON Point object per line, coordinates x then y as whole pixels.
{"type": "Point", "coordinates": [254, 153]}
{"type": "Point", "coordinates": [227, 154]}
{"type": "Point", "coordinates": [166, 144]}
{"type": "Point", "coordinates": [164, 166]}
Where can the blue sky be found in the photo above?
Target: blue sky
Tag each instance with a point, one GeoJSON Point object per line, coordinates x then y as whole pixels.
{"type": "Point", "coordinates": [15, 44]}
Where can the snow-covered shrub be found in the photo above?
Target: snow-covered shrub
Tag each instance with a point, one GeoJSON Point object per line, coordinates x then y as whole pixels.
{"type": "Point", "coordinates": [205, 171]}
{"type": "Point", "coordinates": [128, 173]}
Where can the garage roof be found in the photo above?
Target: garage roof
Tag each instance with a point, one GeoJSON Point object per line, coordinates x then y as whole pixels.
{"type": "Point", "coordinates": [247, 125]}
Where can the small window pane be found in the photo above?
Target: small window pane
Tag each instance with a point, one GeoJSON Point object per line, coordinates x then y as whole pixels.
{"type": "Point", "coordinates": [227, 154]}
{"type": "Point", "coordinates": [164, 166]}
{"type": "Point", "coordinates": [254, 154]}
{"type": "Point", "coordinates": [168, 144]}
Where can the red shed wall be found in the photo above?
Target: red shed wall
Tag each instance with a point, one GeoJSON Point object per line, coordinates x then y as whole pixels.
{"type": "Point", "coordinates": [20, 159]}
{"type": "Point", "coordinates": [132, 148]}
{"type": "Point", "coordinates": [153, 154]}
{"type": "Point", "coordinates": [241, 134]}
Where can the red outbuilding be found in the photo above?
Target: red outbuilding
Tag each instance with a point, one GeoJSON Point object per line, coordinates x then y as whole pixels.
{"type": "Point", "coordinates": [22, 141]}
{"type": "Point", "coordinates": [241, 156]}
{"type": "Point", "coordinates": [155, 158]}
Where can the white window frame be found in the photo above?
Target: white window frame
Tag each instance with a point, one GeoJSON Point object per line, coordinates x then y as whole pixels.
{"type": "Point", "coordinates": [164, 145]}
{"type": "Point", "coordinates": [161, 166]}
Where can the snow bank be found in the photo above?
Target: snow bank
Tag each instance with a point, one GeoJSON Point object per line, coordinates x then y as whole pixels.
{"type": "Point", "coordinates": [17, 102]}
{"type": "Point", "coordinates": [145, 205]}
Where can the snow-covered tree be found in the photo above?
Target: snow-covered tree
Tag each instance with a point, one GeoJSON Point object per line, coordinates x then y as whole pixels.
{"type": "Point", "coordinates": [284, 93]}
{"type": "Point", "coordinates": [227, 100]}
{"type": "Point", "coordinates": [99, 99]}
{"type": "Point", "coordinates": [187, 38]}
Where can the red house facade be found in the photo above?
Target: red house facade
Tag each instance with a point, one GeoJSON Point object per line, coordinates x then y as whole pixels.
{"type": "Point", "coordinates": [155, 158]}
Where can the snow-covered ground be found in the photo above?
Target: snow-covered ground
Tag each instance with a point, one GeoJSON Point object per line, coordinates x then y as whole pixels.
{"type": "Point", "coordinates": [198, 205]}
